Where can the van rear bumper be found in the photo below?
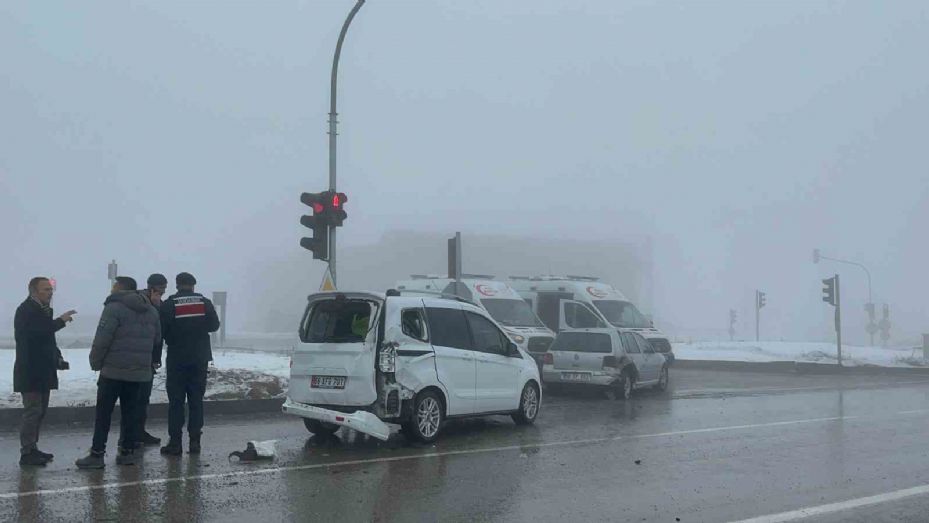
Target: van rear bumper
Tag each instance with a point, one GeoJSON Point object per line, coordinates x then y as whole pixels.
{"type": "Point", "coordinates": [360, 420]}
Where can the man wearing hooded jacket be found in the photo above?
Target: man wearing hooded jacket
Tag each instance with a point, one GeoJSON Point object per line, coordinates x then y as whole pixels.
{"type": "Point", "coordinates": [122, 351]}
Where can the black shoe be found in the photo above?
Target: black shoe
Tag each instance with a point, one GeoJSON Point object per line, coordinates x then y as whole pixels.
{"type": "Point", "coordinates": [194, 444]}
{"type": "Point", "coordinates": [46, 455]}
{"type": "Point", "coordinates": [126, 457]}
{"type": "Point", "coordinates": [32, 459]}
{"type": "Point", "coordinates": [173, 448]}
{"type": "Point", "coordinates": [91, 461]}
{"type": "Point", "coordinates": [148, 439]}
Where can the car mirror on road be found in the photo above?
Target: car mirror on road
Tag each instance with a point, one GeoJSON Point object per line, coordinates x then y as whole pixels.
{"type": "Point", "coordinates": [512, 349]}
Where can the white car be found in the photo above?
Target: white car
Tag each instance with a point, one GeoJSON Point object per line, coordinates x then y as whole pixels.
{"type": "Point", "coordinates": [365, 360]}
{"type": "Point", "coordinates": [616, 360]}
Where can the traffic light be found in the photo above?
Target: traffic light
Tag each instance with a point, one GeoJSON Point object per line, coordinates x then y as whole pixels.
{"type": "Point", "coordinates": [731, 316]}
{"type": "Point", "coordinates": [761, 299]}
{"type": "Point", "coordinates": [319, 243]}
{"type": "Point", "coordinates": [336, 208]}
{"type": "Point", "coordinates": [829, 291]}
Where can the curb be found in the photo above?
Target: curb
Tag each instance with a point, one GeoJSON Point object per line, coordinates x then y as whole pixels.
{"type": "Point", "coordinates": [11, 418]}
{"type": "Point", "coordinates": [798, 367]}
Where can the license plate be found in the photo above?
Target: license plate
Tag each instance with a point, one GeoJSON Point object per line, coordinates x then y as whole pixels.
{"type": "Point", "coordinates": [575, 376]}
{"type": "Point", "coordinates": [327, 382]}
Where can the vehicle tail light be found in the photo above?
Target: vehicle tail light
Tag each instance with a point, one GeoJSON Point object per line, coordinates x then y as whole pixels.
{"type": "Point", "coordinates": [610, 361]}
{"type": "Point", "coordinates": [548, 359]}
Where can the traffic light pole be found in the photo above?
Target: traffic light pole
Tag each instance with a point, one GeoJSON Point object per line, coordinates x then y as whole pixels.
{"type": "Point", "coordinates": [838, 320]}
{"type": "Point", "coordinates": [817, 256]}
{"type": "Point", "coordinates": [333, 132]}
{"type": "Point", "coordinates": [757, 318]}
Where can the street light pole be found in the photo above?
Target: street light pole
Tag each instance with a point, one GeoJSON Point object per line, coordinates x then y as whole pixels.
{"type": "Point", "coordinates": [817, 256]}
{"type": "Point", "coordinates": [333, 124]}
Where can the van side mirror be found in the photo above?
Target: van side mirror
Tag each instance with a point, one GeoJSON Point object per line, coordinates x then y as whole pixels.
{"type": "Point", "coordinates": [512, 349]}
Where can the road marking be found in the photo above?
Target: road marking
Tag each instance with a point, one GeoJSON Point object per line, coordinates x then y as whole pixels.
{"type": "Point", "coordinates": [486, 450]}
{"type": "Point", "coordinates": [918, 411]}
{"type": "Point", "coordinates": [820, 510]}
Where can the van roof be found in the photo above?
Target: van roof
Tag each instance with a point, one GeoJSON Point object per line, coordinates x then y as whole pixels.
{"type": "Point", "coordinates": [594, 290]}
{"type": "Point", "coordinates": [480, 288]}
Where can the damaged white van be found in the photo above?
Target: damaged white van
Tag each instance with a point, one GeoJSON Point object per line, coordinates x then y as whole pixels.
{"type": "Point", "coordinates": [366, 360]}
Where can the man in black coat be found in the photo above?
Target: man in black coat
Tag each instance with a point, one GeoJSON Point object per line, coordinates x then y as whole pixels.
{"type": "Point", "coordinates": [37, 362]}
{"type": "Point", "coordinates": [187, 319]}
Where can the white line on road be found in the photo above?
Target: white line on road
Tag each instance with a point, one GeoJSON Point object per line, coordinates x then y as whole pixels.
{"type": "Point", "coordinates": [820, 510]}
{"type": "Point", "coordinates": [275, 470]}
{"type": "Point", "coordinates": [918, 411]}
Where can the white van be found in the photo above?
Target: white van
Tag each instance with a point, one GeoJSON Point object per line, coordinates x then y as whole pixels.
{"type": "Point", "coordinates": [496, 297]}
{"type": "Point", "coordinates": [367, 359]}
{"type": "Point", "coordinates": [568, 302]}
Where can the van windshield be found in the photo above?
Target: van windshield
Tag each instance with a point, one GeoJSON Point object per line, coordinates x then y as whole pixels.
{"type": "Point", "coordinates": [511, 313]}
{"type": "Point", "coordinates": [622, 314]}
{"type": "Point", "coordinates": [582, 342]}
{"type": "Point", "coordinates": [338, 321]}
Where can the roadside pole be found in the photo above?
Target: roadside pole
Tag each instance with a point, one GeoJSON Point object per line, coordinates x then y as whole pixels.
{"type": "Point", "coordinates": [838, 319]}
{"type": "Point", "coordinates": [757, 317]}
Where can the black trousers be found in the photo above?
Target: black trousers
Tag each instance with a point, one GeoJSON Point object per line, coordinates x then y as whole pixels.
{"type": "Point", "coordinates": [185, 383]}
{"type": "Point", "coordinates": [108, 391]}
{"type": "Point", "coordinates": [145, 396]}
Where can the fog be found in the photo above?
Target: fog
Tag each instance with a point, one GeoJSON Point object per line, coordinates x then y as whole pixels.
{"type": "Point", "coordinates": [735, 137]}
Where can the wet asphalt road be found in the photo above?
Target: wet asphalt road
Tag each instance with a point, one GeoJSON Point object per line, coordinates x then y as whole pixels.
{"type": "Point", "coordinates": [719, 447]}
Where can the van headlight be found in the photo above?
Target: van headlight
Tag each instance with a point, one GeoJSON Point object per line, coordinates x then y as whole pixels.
{"type": "Point", "coordinates": [518, 338]}
{"type": "Point", "coordinates": [388, 358]}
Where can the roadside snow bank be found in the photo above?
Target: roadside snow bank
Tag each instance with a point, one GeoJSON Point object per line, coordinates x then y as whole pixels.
{"type": "Point", "coordinates": [799, 351]}
{"type": "Point", "coordinates": [235, 375]}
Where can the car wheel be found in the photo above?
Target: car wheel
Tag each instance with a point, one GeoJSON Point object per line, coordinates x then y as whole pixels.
{"type": "Point", "coordinates": [320, 428]}
{"type": "Point", "coordinates": [529, 405]}
{"type": "Point", "coordinates": [426, 419]}
{"type": "Point", "coordinates": [622, 389]}
{"type": "Point", "coordinates": [664, 379]}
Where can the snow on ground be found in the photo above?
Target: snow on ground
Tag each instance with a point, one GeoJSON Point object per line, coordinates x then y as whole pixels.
{"type": "Point", "coordinates": [799, 351]}
{"type": "Point", "coordinates": [235, 375]}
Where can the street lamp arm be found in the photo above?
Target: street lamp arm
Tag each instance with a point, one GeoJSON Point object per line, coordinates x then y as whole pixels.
{"type": "Point", "coordinates": [338, 52]}
{"type": "Point", "coordinates": [865, 269]}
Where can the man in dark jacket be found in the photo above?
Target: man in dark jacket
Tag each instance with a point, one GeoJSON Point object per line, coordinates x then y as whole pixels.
{"type": "Point", "coordinates": [37, 362]}
{"type": "Point", "coordinates": [157, 284]}
{"type": "Point", "coordinates": [122, 351]}
{"type": "Point", "coordinates": [187, 319]}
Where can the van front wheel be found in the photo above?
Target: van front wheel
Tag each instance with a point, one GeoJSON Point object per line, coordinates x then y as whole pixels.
{"type": "Point", "coordinates": [427, 417]}
{"type": "Point", "coordinates": [320, 428]}
{"type": "Point", "coordinates": [529, 405]}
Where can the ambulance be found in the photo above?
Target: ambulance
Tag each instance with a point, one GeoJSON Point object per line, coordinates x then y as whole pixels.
{"type": "Point", "coordinates": [496, 297]}
{"type": "Point", "coordinates": [584, 302]}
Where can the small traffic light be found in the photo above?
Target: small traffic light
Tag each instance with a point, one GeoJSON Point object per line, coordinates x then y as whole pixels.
{"type": "Point", "coordinates": [731, 316]}
{"type": "Point", "coordinates": [336, 209]}
{"type": "Point", "coordinates": [829, 291]}
{"type": "Point", "coordinates": [319, 243]}
{"type": "Point", "coordinates": [761, 299]}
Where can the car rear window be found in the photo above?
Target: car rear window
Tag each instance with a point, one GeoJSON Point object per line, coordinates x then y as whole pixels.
{"type": "Point", "coordinates": [583, 342]}
{"type": "Point", "coordinates": [338, 321]}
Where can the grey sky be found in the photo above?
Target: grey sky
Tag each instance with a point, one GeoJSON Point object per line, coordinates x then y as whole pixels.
{"type": "Point", "coordinates": [178, 136]}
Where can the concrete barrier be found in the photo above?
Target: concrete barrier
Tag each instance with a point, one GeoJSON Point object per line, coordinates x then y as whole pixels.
{"type": "Point", "coordinates": [10, 418]}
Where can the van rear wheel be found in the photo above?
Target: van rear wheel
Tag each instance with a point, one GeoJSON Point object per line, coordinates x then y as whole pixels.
{"type": "Point", "coordinates": [427, 417]}
{"type": "Point", "coordinates": [320, 428]}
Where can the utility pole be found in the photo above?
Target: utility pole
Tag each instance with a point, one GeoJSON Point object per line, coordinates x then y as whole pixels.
{"type": "Point", "coordinates": [333, 132]}
{"type": "Point", "coordinates": [759, 303]}
{"type": "Point", "coordinates": [732, 319]}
